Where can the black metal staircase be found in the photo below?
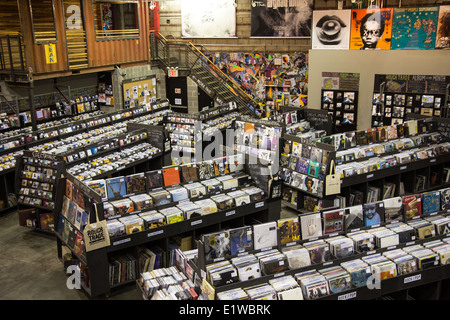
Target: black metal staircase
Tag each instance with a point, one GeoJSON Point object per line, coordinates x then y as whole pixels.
{"type": "Point", "coordinates": [191, 62]}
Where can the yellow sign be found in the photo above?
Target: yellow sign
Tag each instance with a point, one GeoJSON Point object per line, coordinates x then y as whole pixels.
{"type": "Point", "coordinates": [50, 53]}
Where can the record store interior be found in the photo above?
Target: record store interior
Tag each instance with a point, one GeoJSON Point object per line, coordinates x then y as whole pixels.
{"type": "Point", "coordinates": [225, 150]}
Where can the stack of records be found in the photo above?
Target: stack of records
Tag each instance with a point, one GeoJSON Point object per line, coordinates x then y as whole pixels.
{"type": "Point", "coordinates": [207, 205]}
{"type": "Point", "coordinates": [190, 210]}
{"type": "Point", "coordinates": [286, 288]}
{"type": "Point", "coordinates": [442, 249]}
{"type": "Point", "coordinates": [247, 266]}
{"type": "Point", "coordinates": [261, 292]}
{"type": "Point", "coordinates": [358, 270]}
{"type": "Point", "coordinates": [133, 224]}
{"type": "Point", "coordinates": [338, 279]}
{"type": "Point", "coordinates": [160, 197]}
{"type": "Point", "coordinates": [272, 262]}
{"type": "Point", "coordinates": [153, 219]}
{"type": "Point", "coordinates": [319, 251]}
{"type": "Point", "coordinates": [178, 193]}
{"type": "Point", "coordinates": [298, 256]}
{"type": "Point", "coordinates": [233, 294]}
{"type": "Point", "coordinates": [426, 258]}
{"type": "Point", "coordinates": [405, 262]}
{"type": "Point", "coordinates": [221, 273]}
{"type": "Point", "coordinates": [442, 224]}
{"type": "Point", "coordinates": [424, 229]}
{"type": "Point", "coordinates": [384, 237]}
{"type": "Point", "coordinates": [340, 246]}
{"type": "Point", "coordinates": [142, 202]}
{"type": "Point", "coordinates": [363, 241]}
{"type": "Point", "coordinates": [313, 284]}
{"type": "Point", "coordinates": [405, 232]}
{"type": "Point", "coordinates": [381, 267]}
{"type": "Point", "coordinates": [172, 214]}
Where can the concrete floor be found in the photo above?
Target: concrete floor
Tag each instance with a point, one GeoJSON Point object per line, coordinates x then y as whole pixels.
{"type": "Point", "coordinates": [31, 270]}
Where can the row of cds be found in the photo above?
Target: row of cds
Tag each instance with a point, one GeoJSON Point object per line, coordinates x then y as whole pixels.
{"type": "Point", "coordinates": [365, 271]}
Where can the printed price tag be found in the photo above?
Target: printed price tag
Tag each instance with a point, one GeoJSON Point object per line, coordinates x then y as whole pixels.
{"type": "Point", "coordinates": [230, 213]}
{"type": "Point", "coordinates": [152, 234]}
{"type": "Point", "coordinates": [259, 204]}
{"type": "Point", "coordinates": [116, 243]}
{"type": "Point", "coordinates": [412, 278]}
{"type": "Point", "coordinates": [347, 296]}
{"type": "Point", "coordinates": [194, 223]}
{"type": "Point", "coordinates": [370, 176]}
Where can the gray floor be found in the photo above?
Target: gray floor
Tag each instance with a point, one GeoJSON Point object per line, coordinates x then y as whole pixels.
{"type": "Point", "coordinates": [30, 268]}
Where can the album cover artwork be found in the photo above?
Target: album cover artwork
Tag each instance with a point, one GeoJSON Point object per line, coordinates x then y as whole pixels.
{"type": "Point", "coordinates": [216, 245]}
{"type": "Point", "coordinates": [154, 179]}
{"type": "Point", "coordinates": [373, 213]}
{"type": "Point", "coordinates": [265, 235]}
{"type": "Point", "coordinates": [311, 225]}
{"type": "Point", "coordinates": [431, 202]}
{"type": "Point", "coordinates": [289, 230]}
{"type": "Point", "coordinates": [241, 240]}
{"type": "Point", "coordinates": [189, 173]}
{"type": "Point", "coordinates": [331, 29]}
{"type": "Point", "coordinates": [171, 176]}
{"type": "Point", "coordinates": [413, 205]}
{"type": "Point", "coordinates": [302, 165]}
{"type": "Point", "coordinates": [333, 221]}
{"type": "Point", "coordinates": [99, 186]}
{"type": "Point", "coordinates": [445, 199]}
{"type": "Point", "coordinates": [116, 187]}
{"type": "Point", "coordinates": [371, 29]}
{"type": "Point", "coordinates": [393, 209]}
{"type": "Point", "coordinates": [205, 170]}
{"type": "Point", "coordinates": [69, 189]}
{"type": "Point", "coordinates": [135, 183]}
{"type": "Point", "coordinates": [443, 28]}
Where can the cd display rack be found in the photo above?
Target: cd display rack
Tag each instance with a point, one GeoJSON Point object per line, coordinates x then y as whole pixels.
{"type": "Point", "coordinates": [407, 233]}
{"type": "Point", "coordinates": [96, 263]}
{"type": "Point", "coordinates": [37, 180]}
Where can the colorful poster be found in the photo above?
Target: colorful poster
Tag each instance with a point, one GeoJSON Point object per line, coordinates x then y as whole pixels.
{"type": "Point", "coordinates": [208, 19]}
{"type": "Point", "coordinates": [443, 28]}
{"type": "Point", "coordinates": [371, 29]}
{"type": "Point", "coordinates": [414, 28]}
{"type": "Point", "coordinates": [331, 29]}
{"type": "Point", "coordinates": [281, 18]}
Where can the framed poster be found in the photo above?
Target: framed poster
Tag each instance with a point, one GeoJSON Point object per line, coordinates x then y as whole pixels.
{"type": "Point", "coordinates": [371, 29]}
{"type": "Point", "coordinates": [443, 28]}
{"type": "Point", "coordinates": [281, 18]}
{"type": "Point", "coordinates": [331, 29]}
{"type": "Point", "coordinates": [208, 19]}
{"type": "Point", "coordinates": [414, 28]}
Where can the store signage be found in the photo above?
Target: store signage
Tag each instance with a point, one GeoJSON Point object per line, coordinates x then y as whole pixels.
{"type": "Point", "coordinates": [173, 72]}
{"type": "Point", "coordinates": [50, 53]}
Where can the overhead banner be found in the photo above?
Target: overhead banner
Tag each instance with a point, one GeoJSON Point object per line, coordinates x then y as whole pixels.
{"type": "Point", "coordinates": [281, 18]}
{"type": "Point", "coordinates": [208, 19]}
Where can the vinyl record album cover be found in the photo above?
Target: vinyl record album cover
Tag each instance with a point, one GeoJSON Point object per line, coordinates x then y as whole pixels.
{"type": "Point", "coordinates": [413, 205]}
{"type": "Point", "coordinates": [289, 230]}
{"type": "Point", "coordinates": [414, 28]}
{"type": "Point", "coordinates": [189, 173]}
{"type": "Point", "coordinates": [154, 179]}
{"type": "Point", "coordinates": [116, 187]}
{"type": "Point", "coordinates": [333, 221]}
{"type": "Point", "coordinates": [443, 28]}
{"type": "Point", "coordinates": [371, 29]}
{"type": "Point", "coordinates": [217, 245]}
{"type": "Point", "coordinates": [373, 213]}
{"type": "Point", "coordinates": [331, 29]}
{"type": "Point", "coordinates": [241, 240]}
{"type": "Point", "coordinates": [431, 202]}
{"type": "Point", "coordinates": [311, 225]}
{"type": "Point", "coordinates": [135, 183]}
{"type": "Point", "coordinates": [171, 176]}
{"type": "Point", "coordinates": [265, 235]}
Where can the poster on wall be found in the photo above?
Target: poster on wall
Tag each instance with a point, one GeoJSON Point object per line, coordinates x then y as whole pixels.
{"type": "Point", "coordinates": [443, 28]}
{"type": "Point", "coordinates": [208, 19]}
{"type": "Point", "coordinates": [331, 29]}
{"type": "Point", "coordinates": [414, 28]}
{"type": "Point", "coordinates": [371, 29]}
{"type": "Point", "coordinates": [281, 18]}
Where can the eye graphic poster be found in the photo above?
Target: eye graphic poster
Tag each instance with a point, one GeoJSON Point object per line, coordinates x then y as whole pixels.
{"type": "Point", "coordinates": [331, 29]}
{"type": "Point", "coordinates": [371, 29]}
{"type": "Point", "coordinates": [414, 28]}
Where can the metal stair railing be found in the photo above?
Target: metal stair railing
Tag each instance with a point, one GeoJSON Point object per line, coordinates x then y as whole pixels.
{"type": "Point", "coordinates": [185, 56]}
{"type": "Point", "coordinates": [12, 58]}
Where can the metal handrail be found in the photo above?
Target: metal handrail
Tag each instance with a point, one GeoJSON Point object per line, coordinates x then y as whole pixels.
{"type": "Point", "coordinates": [199, 56]}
